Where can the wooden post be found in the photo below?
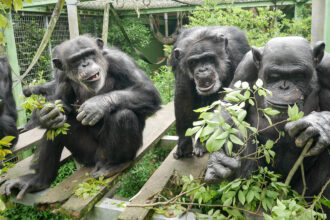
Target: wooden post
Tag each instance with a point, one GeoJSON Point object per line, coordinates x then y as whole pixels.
{"type": "Point", "coordinates": [327, 26]}
{"type": "Point", "coordinates": [105, 24]}
{"type": "Point", "coordinates": [13, 61]}
{"type": "Point", "coordinates": [72, 18]}
{"type": "Point", "coordinates": [166, 24]}
{"type": "Point", "coordinates": [318, 11]}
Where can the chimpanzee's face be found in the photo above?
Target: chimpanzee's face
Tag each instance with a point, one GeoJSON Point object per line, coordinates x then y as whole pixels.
{"type": "Point", "coordinates": [83, 63]}
{"type": "Point", "coordinates": [206, 62]}
{"type": "Point", "coordinates": [286, 66]}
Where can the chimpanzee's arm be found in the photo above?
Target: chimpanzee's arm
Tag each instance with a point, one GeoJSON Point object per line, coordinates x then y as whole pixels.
{"type": "Point", "coordinates": [132, 89]}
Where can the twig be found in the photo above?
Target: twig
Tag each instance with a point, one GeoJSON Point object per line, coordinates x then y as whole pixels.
{"type": "Point", "coordinates": [171, 201]}
{"type": "Point", "coordinates": [318, 198]}
{"type": "Point", "coordinates": [303, 179]}
{"type": "Point", "coordinates": [298, 162]}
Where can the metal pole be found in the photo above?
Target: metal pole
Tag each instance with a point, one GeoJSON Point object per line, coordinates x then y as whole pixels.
{"type": "Point", "coordinates": [72, 18]}
{"type": "Point", "coordinates": [318, 12]}
{"type": "Point", "coordinates": [105, 24]}
{"type": "Point", "coordinates": [166, 24]}
{"type": "Point", "coordinates": [13, 61]}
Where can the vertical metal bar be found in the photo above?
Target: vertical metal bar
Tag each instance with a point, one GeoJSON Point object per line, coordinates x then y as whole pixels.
{"type": "Point", "coordinates": [72, 18]}
{"type": "Point", "coordinates": [13, 61]}
{"type": "Point", "coordinates": [105, 24]}
{"type": "Point", "coordinates": [166, 24]}
{"type": "Point", "coordinates": [318, 12]}
{"type": "Point", "coordinates": [327, 26]}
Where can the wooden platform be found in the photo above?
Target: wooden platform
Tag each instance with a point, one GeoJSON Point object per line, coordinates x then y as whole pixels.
{"type": "Point", "coordinates": [72, 206]}
{"type": "Point", "coordinates": [189, 166]}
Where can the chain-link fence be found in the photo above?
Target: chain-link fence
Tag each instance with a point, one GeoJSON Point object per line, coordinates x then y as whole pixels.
{"type": "Point", "coordinates": [29, 29]}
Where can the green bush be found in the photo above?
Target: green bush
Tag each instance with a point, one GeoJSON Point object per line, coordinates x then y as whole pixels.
{"type": "Point", "coordinates": [259, 29]}
{"type": "Point", "coordinates": [140, 173]}
{"type": "Point", "coordinates": [163, 79]}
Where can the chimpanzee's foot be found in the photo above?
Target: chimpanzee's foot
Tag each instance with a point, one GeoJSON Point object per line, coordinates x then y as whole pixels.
{"type": "Point", "coordinates": [109, 170]}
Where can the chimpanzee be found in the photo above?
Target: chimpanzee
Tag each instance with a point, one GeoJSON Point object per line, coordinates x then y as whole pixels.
{"type": "Point", "coordinates": [287, 66]}
{"type": "Point", "coordinates": [8, 113]}
{"type": "Point", "coordinates": [204, 60]}
{"type": "Point", "coordinates": [106, 99]}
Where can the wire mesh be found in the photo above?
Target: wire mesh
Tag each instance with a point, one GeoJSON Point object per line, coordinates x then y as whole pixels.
{"type": "Point", "coordinates": [29, 29]}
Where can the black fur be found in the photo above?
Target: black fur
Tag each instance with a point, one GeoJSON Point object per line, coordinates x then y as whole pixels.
{"type": "Point", "coordinates": [227, 46]}
{"type": "Point", "coordinates": [107, 99]}
{"type": "Point", "coordinates": [287, 66]}
{"type": "Point", "coordinates": [8, 113]}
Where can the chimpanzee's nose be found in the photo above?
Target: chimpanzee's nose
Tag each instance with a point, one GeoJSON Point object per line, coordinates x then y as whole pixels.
{"type": "Point", "coordinates": [85, 64]}
{"type": "Point", "coordinates": [284, 85]}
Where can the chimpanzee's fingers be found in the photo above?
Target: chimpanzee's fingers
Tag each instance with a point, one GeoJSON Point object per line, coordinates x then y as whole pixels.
{"type": "Point", "coordinates": [304, 136]}
{"type": "Point", "coordinates": [87, 119]}
{"type": "Point", "coordinates": [22, 191]}
{"type": "Point", "coordinates": [45, 110]}
{"type": "Point", "coordinates": [8, 186]}
{"type": "Point", "coordinates": [295, 127]}
{"type": "Point", "coordinates": [81, 116]}
{"type": "Point", "coordinates": [317, 149]}
{"type": "Point", "coordinates": [95, 120]}
{"type": "Point", "coordinates": [59, 124]}
{"type": "Point", "coordinates": [233, 163]}
{"type": "Point", "coordinates": [51, 115]}
{"type": "Point", "coordinates": [221, 171]}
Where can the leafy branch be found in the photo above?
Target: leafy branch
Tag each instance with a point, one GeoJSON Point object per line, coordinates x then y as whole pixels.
{"type": "Point", "coordinates": [39, 102]}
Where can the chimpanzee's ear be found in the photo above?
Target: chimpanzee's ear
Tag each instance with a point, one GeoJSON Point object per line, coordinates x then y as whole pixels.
{"type": "Point", "coordinates": [100, 43]}
{"type": "Point", "coordinates": [220, 38]}
{"type": "Point", "coordinates": [58, 63]}
{"type": "Point", "coordinates": [178, 53]}
{"type": "Point", "coordinates": [257, 55]}
{"type": "Point", "coordinates": [318, 52]}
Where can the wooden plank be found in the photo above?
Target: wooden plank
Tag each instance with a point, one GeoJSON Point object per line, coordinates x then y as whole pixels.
{"type": "Point", "coordinates": [23, 167]}
{"type": "Point", "coordinates": [28, 139]}
{"type": "Point", "coordinates": [156, 126]}
{"type": "Point", "coordinates": [194, 166]}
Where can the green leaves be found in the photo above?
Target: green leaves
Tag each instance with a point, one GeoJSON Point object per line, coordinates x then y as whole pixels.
{"type": "Point", "coordinates": [90, 187]}
{"type": "Point", "coordinates": [294, 114]}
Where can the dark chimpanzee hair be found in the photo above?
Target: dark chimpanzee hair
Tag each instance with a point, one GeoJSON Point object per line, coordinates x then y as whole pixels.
{"type": "Point", "coordinates": [288, 67]}
{"type": "Point", "coordinates": [8, 113]}
{"type": "Point", "coordinates": [204, 60]}
{"type": "Point", "coordinates": [106, 99]}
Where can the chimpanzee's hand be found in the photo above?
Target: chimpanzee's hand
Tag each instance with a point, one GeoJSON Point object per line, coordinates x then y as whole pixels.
{"type": "Point", "coordinates": [315, 125]}
{"type": "Point", "coordinates": [51, 117]}
{"type": "Point", "coordinates": [93, 110]}
{"type": "Point", "coordinates": [220, 166]}
{"type": "Point", "coordinates": [27, 91]}
{"type": "Point", "coordinates": [28, 183]}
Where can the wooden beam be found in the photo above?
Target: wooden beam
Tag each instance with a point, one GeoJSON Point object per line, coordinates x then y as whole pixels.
{"type": "Point", "coordinates": [318, 12]}
{"type": "Point", "coordinates": [13, 61]}
{"type": "Point", "coordinates": [105, 24]}
{"type": "Point", "coordinates": [72, 18]}
{"type": "Point", "coordinates": [156, 183]}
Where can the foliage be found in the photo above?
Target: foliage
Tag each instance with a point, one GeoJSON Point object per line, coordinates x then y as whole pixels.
{"type": "Point", "coordinates": [232, 200]}
{"type": "Point", "coordinates": [138, 175]}
{"type": "Point", "coordinates": [35, 103]}
{"type": "Point", "coordinates": [268, 23]}
{"type": "Point", "coordinates": [163, 79]}
{"type": "Point", "coordinates": [217, 132]}
{"type": "Point", "coordinates": [19, 212]}
{"type": "Point", "coordinates": [90, 187]}
{"type": "Point", "coordinates": [5, 143]}
{"type": "Point", "coordinates": [64, 171]}
{"type": "Point", "coordinates": [5, 5]}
